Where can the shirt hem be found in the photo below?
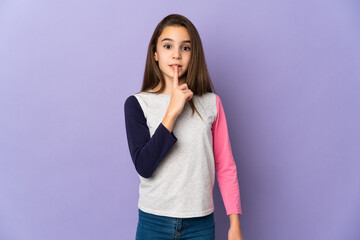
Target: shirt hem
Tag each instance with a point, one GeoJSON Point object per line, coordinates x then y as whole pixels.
{"type": "Point", "coordinates": [176, 215]}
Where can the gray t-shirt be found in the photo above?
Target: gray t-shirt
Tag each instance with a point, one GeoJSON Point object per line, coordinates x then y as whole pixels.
{"type": "Point", "coordinates": [177, 169]}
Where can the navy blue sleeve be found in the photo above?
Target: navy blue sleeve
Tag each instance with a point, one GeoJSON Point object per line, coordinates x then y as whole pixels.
{"type": "Point", "coordinates": [146, 152]}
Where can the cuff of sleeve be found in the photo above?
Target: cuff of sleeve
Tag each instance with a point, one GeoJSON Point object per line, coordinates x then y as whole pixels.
{"type": "Point", "coordinates": [234, 211]}
{"type": "Point", "coordinates": [167, 132]}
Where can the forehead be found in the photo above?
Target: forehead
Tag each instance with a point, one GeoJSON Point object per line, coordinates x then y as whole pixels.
{"type": "Point", "coordinates": [176, 33]}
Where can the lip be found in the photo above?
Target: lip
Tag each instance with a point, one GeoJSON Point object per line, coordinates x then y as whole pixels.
{"type": "Point", "coordinates": [172, 67]}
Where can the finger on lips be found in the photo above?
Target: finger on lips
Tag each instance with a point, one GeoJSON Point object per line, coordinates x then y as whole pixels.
{"type": "Point", "coordinates": [176, 75]}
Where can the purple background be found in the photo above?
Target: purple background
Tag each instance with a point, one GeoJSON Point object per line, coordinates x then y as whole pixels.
{"type": "Point", "coordinates": [287, 72]}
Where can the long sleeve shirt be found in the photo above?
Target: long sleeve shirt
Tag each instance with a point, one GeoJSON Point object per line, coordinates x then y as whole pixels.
{"type": "Point", "coordinates": [177, 169]}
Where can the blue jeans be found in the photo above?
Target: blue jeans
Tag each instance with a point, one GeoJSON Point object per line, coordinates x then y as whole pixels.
{"type": "Point", "coordinates": [154, 227]}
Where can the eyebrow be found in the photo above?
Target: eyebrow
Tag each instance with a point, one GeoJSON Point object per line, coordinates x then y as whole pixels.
{"type": "Point", "coordinates": [169, 39]}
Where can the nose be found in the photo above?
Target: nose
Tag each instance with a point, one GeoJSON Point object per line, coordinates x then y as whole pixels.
{"type": "Point", "coordinates": [176, 54]}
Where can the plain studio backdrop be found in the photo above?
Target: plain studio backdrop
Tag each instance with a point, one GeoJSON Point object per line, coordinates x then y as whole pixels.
{"type": "Point", "coordinates": [288, 73]}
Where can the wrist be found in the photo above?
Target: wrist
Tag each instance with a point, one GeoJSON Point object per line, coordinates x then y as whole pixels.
{"type": "Point", "coordinates": [234, 220]}
{"type": "Point", "coordinates": [170, 115]}
{"type": "Point", "coordinates": [168, 121]}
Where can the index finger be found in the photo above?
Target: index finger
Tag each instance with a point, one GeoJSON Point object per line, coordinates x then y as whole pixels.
{"type": "Point", "coordinates": [176, 77]}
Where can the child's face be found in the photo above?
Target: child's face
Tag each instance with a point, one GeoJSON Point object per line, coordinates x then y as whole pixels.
{"type": "Point", "coordinates": [173, 47]}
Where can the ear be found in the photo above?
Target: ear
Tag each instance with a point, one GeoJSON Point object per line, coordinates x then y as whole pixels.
{"type": "Point", "coordinates": [156, 57]}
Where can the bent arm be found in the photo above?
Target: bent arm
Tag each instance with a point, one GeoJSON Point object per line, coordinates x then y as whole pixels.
{"type": "Point", "coordinates": [146, 152]}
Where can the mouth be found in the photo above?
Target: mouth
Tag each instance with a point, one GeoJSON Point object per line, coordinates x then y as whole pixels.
{"type": "Point", "coordinates": [173, 66]}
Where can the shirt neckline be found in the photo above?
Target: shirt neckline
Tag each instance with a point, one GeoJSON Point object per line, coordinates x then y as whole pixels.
{"type": "Point", "coordinates": [151, 90]}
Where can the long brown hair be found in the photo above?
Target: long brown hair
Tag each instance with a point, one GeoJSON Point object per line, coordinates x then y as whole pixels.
{"type": "Point", "coordinates": [197, 76]}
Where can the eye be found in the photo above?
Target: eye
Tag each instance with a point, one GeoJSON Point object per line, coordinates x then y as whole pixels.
{"type": "Point", "coordinates": [166, 45]}
{"type": "Point", "coordinates": [188, 48]}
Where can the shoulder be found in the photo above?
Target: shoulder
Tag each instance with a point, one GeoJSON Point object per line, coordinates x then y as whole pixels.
{"type": "Point", "coordinates": [211, 98]}
{"type": "Point", "coordinates": [134, 102]}
{"type": "Point", "coordinates": [211, 95]}
{"type": "Point", "coordinates": [130, 101]}
{"type": "Point", "coordinates": [217, 97]}
{"type": "Point", "coordinates": [133, 109]}
{"type": "Point", "coordinates": [135, 98]}
{"type": "Point", "coordinates": [208, 96]}
{"type": "Point", "coordinates": [216, 103]}
{"type": "Point", "coordinates": [137, 103]}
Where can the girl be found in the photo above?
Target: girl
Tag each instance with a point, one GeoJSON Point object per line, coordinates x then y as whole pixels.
{"type": "Point", "coordinates": [176, 153]}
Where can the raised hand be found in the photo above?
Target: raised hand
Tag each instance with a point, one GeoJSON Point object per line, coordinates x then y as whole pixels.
{"type": "Point", "coordinates": [180, 94]}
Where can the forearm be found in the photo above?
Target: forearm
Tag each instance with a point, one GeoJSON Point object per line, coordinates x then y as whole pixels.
{"type": "Point", "coordinates": [169, 121]}
{"type": "Point", "coordinates": [235, 230]}
{"type": "Point", "coordinates": [234, 220]}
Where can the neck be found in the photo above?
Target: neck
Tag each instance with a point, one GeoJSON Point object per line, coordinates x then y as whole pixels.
{"type": "Point", "coordinates": [168, 85]}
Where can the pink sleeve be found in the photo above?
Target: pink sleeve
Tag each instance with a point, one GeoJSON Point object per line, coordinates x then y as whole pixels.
{"type": "Point", "coordinates": [224, 163]}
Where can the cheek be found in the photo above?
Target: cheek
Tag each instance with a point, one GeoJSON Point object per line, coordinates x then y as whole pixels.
{"type": "Point", "coordinates": [187, 58]}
